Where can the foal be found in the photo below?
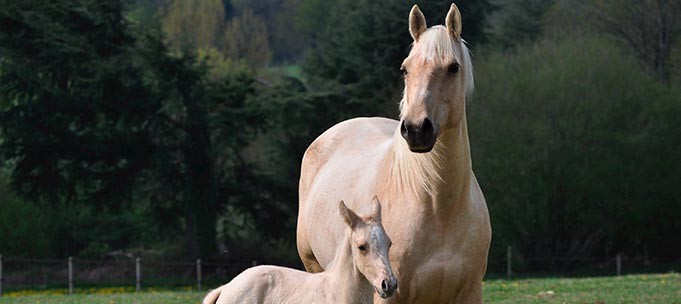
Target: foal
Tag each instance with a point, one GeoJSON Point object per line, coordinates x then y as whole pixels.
{"type": "Point", "coordinates": [360, 267]}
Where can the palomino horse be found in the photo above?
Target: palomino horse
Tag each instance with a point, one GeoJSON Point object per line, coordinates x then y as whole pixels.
{"type": "Point", "coordinates": [420, 168]}
{"type": "Point", "coordinates": [360, 266]}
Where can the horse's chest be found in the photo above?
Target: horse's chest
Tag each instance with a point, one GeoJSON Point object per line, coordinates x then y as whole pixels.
{"type": "Point", "coordinates": [430, 277]}
{"type": "Point", "coordinates": [428, 260]}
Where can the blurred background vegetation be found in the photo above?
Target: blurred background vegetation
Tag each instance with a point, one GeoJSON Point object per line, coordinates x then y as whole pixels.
{"type": "Point", "coordinates": [178, 126]}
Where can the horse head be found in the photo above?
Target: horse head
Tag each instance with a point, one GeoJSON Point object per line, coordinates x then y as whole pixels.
{"type": "Point", "coordinates": [438, 74]}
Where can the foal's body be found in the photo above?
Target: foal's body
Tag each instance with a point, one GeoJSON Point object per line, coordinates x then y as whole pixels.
{"type": "Point", "coordinates": [360, 267]}
{"type": "Point", "coordinates": [280, 285]}
{"type": "Point", "coordinates": [434, 209]}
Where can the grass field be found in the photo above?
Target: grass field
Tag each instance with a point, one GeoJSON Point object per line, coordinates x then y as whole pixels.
{"type": "Point", "coordinates": [658, 288]}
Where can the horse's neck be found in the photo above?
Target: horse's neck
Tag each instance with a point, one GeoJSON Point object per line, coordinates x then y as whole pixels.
{"type": "Point", "coordinates": [350, 285]}
{"type": "Point", "coordinates": [440, 176]}
{"type": "Point", "coordinates": [457, 169]}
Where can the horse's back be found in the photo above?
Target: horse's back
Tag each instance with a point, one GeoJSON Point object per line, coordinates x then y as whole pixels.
{"type": "Point", "coordinates": [347, 137]}
{"type": "Point", "coordinates": [330, 160]}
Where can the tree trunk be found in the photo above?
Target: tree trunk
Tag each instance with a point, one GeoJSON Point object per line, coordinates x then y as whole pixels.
{"type": "Point", "coordinates": [200, 194]}
{"type": "Point", "coordinates": [200, 183]}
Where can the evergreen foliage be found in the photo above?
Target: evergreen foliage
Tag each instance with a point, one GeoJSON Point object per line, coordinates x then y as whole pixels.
{"type": "Point", "coordinates": [107, 128]}
{"type": "Point", "coordinates": [96, 113]}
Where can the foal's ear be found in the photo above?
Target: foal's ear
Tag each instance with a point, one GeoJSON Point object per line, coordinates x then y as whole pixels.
{"type": "Point", "coordinates": [350, 217]}
{"type": "Point", "coordinates": [453, 22]}
{"type": "Point", "coordinates": [376, 208]}
{"type": "Point", "coordinates": [417, 22]}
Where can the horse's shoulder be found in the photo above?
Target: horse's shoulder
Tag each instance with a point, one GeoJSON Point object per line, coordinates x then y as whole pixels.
{"type": "Point", "coordinates": [380, 124]}
{"type": "Point", "coordinates": [329, 142]}
{"type": "Point", "coordinates": [376, 124]}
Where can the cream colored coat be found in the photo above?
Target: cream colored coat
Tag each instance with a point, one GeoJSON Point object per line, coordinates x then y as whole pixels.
{"type": "Point", "coordinates": [361, 266]}
{"type": "Point", "coordinates": [433, 207]}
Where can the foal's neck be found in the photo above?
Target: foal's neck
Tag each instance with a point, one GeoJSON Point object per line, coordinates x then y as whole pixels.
{"type": "Point", "coordinates": [345, 279]}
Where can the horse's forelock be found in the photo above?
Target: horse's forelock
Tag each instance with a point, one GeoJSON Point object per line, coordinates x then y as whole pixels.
{"type": "Point", "coordinates": [438, 45]}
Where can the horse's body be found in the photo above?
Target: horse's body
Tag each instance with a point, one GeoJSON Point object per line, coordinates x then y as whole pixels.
{"type": "Point", "coordinates": [351, 278]}
{"type": "Point", "coordinates": [433, 207]}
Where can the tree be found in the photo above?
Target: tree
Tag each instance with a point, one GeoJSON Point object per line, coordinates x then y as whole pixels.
{"type": "Point", "coordinates": [279, 18]}
{"type": "Point", "coordinates": [194, 24]}
{"type": "Point", "coordinates": [245, 38]}
{"type": "Point", "coordinates": [517, 21]}
{"type": "Point", "coordinates": [649, 28]}
{"type": "Point", "coordinates": [69, 98]}
{"type": "Point", "coordinates": [15, 232]}
{"type": "Point", "coordinates": [358, 49]}
{"type": "Point", "coordinates": [565, 156]}
{"type": "Point", "coordinates": [95, 112]}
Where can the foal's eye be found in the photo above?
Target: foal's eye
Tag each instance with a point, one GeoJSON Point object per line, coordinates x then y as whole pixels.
{"type": "Point", "coordinates": [362, 248]}
{"type": "Point", "coordinates": [453, 68]}
{"type": "Point", "coordinates": [403, 70]}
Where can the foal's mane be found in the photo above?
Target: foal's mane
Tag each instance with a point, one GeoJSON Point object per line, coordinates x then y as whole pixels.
{"type": "Point", "coordinates": [343, 252]}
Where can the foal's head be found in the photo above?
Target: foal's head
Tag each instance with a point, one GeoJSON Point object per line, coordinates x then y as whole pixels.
{"type": "Point", "coordinates": [437, 76]}
{"type": "Point", "coordinates": [370, 247]}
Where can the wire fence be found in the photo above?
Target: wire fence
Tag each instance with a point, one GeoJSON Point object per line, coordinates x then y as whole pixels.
{"type": "Point", "coordinates": [74, 275]}
{"type": "Point", "coordinates": [515, 265]}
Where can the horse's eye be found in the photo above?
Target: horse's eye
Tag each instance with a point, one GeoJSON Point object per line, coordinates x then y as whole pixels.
{"type": "Point", "coordinates": [403, 70]}
{"type": "Point", "coordinates": [362, 248]}
{"type": "Point", "coordinates": [453, 68]}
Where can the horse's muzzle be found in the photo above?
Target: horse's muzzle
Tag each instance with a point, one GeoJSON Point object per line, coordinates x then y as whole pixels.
{"type": "Point", "coordinates": [388, 288]}
{"type": "Point", "coordinates": [420, 137]}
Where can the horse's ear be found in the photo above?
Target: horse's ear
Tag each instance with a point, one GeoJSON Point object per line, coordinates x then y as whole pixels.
{"type": "Point", "coordinates": [376, 207]}
{"type": "Point", "coordinates": [453, 22]}
{"type": "Point", "coordinates": [350, 217]}
{"type": "Point", "coordinates": [417, 22]}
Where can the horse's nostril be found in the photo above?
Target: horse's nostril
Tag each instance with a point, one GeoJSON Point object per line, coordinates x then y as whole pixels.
{"type": "Point", "coordinates": [384, 285]}
{"type": "Point", "coordinates": [403, 129]}
{"type": "Point", "coordinates": [427, 126]}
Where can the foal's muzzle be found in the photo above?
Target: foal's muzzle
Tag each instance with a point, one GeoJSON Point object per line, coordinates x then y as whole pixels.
{"type": "Point", "coordinates": [420, 137]}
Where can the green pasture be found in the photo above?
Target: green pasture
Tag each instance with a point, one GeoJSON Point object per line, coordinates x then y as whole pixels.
{"type": "Point", "coordinates": [657, 288]}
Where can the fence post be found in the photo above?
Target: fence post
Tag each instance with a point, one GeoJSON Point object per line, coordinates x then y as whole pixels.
{"type": "Point", "coordinates": [619, 264]}
{"type": "Point", "coordinates": [70, 275]}
{"type": "Point", "coordinates": [0, 275]}
{"type": "Point", "coordinates": [198, 274]}
{"type": "Point", "coordinates": [508, 262]}
{"type": "Point", "coordinates": [138, 274]}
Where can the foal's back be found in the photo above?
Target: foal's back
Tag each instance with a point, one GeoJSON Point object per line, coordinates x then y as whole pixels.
{"type": "Point", "coordinates": [267, 284]}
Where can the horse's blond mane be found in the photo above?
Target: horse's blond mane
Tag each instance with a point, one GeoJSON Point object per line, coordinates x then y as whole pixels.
{"type": "Point", "coordinates": [415, 171]}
